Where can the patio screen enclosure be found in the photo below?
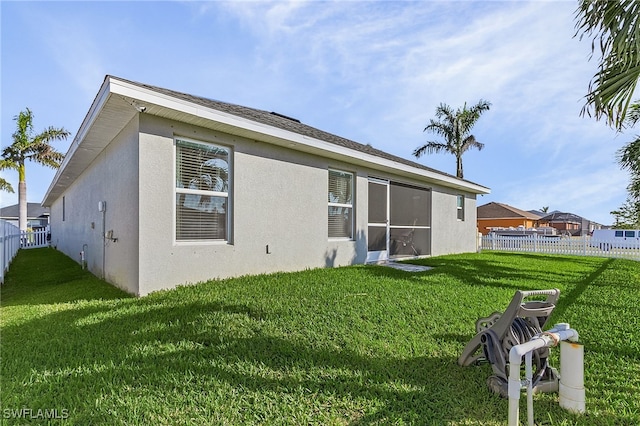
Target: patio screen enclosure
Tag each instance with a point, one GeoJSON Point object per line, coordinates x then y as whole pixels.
{"type": "Point", "coordinates": [399, 220]}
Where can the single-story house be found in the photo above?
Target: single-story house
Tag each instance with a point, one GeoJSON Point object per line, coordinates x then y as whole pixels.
{"type": "Point", "coordinates": [37, 215]}
{"type": "Point", "coordinates": [161, 188]}
{"type": "Point", "coordinates": [571, 224]}
{"type": "Point", "coordinates": [499, 215]}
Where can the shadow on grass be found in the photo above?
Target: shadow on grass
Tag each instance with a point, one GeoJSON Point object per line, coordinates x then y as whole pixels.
{"type": "Point", "coordinates": [521, 271]}
{"type": "Point", "coordinates": [46, 276]}
{"type": "Point", "coordinates": [571, 297]}
{"type": "Point", "coordinates": [122, 350]}
{"type": "Point", "coordinates": [173, 356]}
{"type": "Point", "coordinates": [122, 358]}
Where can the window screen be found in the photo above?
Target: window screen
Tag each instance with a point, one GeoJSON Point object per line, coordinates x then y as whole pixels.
{"type": "Point", "coordinates": [202, 191]}
{"type": "Point", "coordinates": [409, 205]}
{"type": "Point", "coordinates": [340, 199]}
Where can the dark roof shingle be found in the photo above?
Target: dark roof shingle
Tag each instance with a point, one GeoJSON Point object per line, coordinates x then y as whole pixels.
{"type": "Point", "coordinates": [33, 210]}
{"type": "Point", "coordinates": [285, 123]}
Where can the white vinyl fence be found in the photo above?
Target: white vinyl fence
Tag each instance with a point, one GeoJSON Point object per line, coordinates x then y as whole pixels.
{"type": "Point", "coordinates": [34, 239]}
{"type": "Point", "coordinates": [577, 246]}
{"type": "Point", "coordinates": [9, 245]}
{"type": "Point", "coordinates": [11, 239]}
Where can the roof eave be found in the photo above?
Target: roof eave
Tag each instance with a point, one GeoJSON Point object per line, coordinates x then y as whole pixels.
{"type": "Point", "coordinates": [155, 103]}
{"type": "Point", "coordinates": [80, 155]}
{"type": "Point", "coordinates": [233, 124]}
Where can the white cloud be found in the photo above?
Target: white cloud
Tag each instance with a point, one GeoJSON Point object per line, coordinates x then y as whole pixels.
{"type": "Point", "coordinates": [375, 72]}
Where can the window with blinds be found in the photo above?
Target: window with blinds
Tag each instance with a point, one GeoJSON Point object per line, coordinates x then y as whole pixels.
{"type": "Point", "coordinates": [460, 207]}
{"type": "Point", "coordinates": [340, 199]}
{"type": "Point", "coordinates": [202, 191]}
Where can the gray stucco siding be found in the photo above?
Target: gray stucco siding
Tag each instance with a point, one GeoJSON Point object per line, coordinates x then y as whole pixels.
{"type": "Point", "coordinates": [450, 235]}
{"type": "Point", "coordinates": [278, 211]}
{"type": "Point", "coordinates": [111, 177]}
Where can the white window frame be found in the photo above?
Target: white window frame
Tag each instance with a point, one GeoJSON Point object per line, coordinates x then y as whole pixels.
{"type": "Point", "coordinates": [343, 205]}
{"type": "Point", "coordinates": [460, 208]}
{"type": "Point", "coordinates": [186, 191]}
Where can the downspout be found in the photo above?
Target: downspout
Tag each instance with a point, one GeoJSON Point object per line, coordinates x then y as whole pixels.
{"type": "Point", "coordinates": [104, 242]}
{"type": "Point", "coordinates": [102, 206]}
{"type": "Point", "coordinates": [83, 255]}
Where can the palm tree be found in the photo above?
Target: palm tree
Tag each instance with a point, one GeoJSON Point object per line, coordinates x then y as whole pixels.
{"type": "Point", "coordinates": [455, 127]}
{"type": "Point", "coordinates": [614, 27]}
{"type": "Point", "coordinates": [629, 159]}
{"type": "Point", "coordinates": [27, 146]}
{"type": "Point", "coordinates": [629, 155]}
{"type": "Point", "coordinates": [545, 209]}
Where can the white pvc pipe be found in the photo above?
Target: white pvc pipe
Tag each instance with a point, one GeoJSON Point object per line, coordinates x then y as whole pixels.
{"type": "Point", "coordinates": [549, 338]}
{"type": "Point", "coordinates": [528, 374]}
{"type": "Point", "coordinates": [515, 361]}
{"type": "Point", "coordinates": [571, 392]}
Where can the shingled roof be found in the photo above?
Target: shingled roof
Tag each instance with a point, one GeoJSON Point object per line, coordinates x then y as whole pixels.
{"type": "Point", "coordinates": [34, 210]}
{"type": "Point", "coordinates": [495, 210]}
{"type": "Point", "coordinates": [283, 122]}
{"type": "Point", "coordinates": [563, 217]}
{"type": "Point", "coordinates": [119, 100]}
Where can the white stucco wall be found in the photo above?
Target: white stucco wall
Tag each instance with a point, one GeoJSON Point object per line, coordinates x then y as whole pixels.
{"type": "Point", "coordinates": [278, 198]}
{"type": "Point", "coordinates": [448, 234]}
{"type": "Point", "coordinates": [112, 177]}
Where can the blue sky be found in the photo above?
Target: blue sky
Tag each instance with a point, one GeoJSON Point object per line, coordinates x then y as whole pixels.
{"type": "Point", "coordinates": [371, 71]}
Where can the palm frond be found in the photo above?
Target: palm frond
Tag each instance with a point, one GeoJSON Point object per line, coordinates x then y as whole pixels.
{"type": "Point", "coordinates": [51, 134]}
{"type": "Point", "coordinates": [7, 164]}
{"type": "Point", "coordinates": [444, 111]}
{"type": "Point", "coordinates": [614, 29]}
{"type": "Point", "coordinates": [633, 114]}
{"type": "Point", "coordinates": [441, 129]}
{"type": "Point", "coordinates": [24, 128]}
{"type": "Point", "coordinates": [629, 156]}
{"type": "Point", "coordinates": [430, 148]}
{"type": "Point", "coordinates": [5, 186]}
{"type": "Point", "coordinates": [471, 142]}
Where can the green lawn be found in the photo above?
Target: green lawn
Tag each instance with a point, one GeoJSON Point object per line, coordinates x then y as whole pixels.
{"type": "Point", "coordinates": [358, 345]}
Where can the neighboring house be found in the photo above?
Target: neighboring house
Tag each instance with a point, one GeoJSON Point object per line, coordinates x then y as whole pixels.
{"type": "Point", "coordinates": [161, 188]}
{"type": "Point", "coordinates": [37, 216]}
{"type": "Point", "coordinates": [571, 224]}
{"type": "Point", "coordinates": [498, 215]}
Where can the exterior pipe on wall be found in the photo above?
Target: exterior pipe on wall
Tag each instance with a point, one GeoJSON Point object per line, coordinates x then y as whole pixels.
{"type": "Point", "coordinates": [83, 255]}
{"type": "Point", "coordinates": [102, 207]}
{"type": "Point", "coordinates": [549, 338]}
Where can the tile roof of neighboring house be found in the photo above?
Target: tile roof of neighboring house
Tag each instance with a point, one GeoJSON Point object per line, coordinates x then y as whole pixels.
{"type": "Point", "coordinates": [495, 210]}
{"type": "Point", "coordinates": [33, 210]}
{"type": "Point", "coordinates": [563, 217]}
{"type": "Point", "coordinates": [282, 122]}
